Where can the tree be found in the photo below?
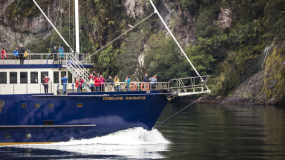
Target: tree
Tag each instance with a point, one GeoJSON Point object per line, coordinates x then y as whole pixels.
{"type": "Point", "coordinates": [128, 58]}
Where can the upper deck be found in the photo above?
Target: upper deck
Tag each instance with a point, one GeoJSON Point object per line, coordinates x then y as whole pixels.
{"type": "Point", "coordinates": [42, 60]}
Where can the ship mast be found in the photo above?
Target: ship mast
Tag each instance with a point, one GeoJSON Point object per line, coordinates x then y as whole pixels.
{"type": "Point", "coordinates": [77, 26]}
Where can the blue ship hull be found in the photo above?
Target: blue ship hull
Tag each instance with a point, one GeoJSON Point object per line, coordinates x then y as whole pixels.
{"type": "Point", "coordinates": [96, 115]}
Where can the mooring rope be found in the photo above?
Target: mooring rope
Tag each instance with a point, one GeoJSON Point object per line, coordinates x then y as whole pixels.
{"type": "Point", "coordinates": [179, 112]}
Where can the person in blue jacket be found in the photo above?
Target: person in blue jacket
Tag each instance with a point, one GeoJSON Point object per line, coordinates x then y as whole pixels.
{"type": "Point", "coordinates": [61, 53]}
{"type": "Point", "coordinates": [128, 82]}
{"type": "Point", "coordinates": [15, 53]}
{"type": "Point", "coordinates": [153, 82]}
{"type": "Point", "coordinates": [64, 81]}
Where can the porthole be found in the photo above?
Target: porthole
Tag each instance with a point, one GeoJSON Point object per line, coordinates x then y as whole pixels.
{"type": "Point", "coordinates": [23, 105]}
{"type": "Point", "coordinates": [28, 135]}
{"type": "Point", "coordinates": [7, 135]}
{"type": "Point", "coordinates": [37, 106]}
{"type": "Point", "coordinates": [50, 105]}
{"type": "Point", "coordinates": [79, 105]}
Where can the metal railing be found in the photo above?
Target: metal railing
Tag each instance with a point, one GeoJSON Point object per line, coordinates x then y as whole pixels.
{"type": "Point", "coordinates": [190, 85]}
{"type": "Point", "coordinates": [43, 58]}
{"type": "Point", "coordinates": [27, 88]}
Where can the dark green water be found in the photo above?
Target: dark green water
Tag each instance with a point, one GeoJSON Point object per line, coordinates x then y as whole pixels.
{"type": "Point", "coordinates": [203, 132]}
{"type": "Point", "coordinates": [211, 131]}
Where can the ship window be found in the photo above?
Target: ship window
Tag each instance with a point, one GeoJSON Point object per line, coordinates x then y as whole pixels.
{"type": "Point", "coordinates": [23, 105]}
{"type": "Point", "coordinates": [28, 135]}
{"type": "Point", "coordinates": [23, 77]}
{"type": "Point", "coordinates": [13, 77]}
{"type": "Point", "coordinates": [55, 77]}
{"type": "Point", "coordinates": [69, 77]}
{"type": "Point", "coordinates": [79, 105]}
{"type": "Point", "coordinates": [7, 135]}
{"type": "Point", "coordinates": [3, 77]}
{"type": "Point", "coordinates": [43, 74]}
{"type": "Point", "coordinates": [34, 77]}
{"type": "Point", "coordinates": [50, 105]}
{"type": "Point", "coordinates": [37, 105]}
{"type": "Point", "coordinates": [48, 123]}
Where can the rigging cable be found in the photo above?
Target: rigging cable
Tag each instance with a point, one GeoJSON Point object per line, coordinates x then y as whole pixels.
{"type": "Point", "coordinates": [14, 13]}
{"type": "Point", "coordinates": [4, 8]}
{"type": "Point", "coordinates": [178, 112]}
{"type": "Point", "coordinates": [156, 11]}
{"type": "Point", "coordinates": [121, 35]}
{"type": "Point", "coordinates": [55, 25]}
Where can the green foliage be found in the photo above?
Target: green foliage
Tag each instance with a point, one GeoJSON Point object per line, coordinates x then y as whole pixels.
{"type": "Point", "coordinates": [106, 61]}
{"type": "Point", "coordinates": [275, 20]}
{"type": "Point", "coordinates": [163, 58]}
{"type": "Point", "coordinates": [204, 26]}
{"type": "Point", "coordinates": [243, 34]}
{"type": "Point", "coordinates": [128, 58]}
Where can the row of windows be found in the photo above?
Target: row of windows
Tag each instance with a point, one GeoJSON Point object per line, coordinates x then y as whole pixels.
{"type": "Point", "coordinates": [34, 77]}
{"type": "Point", "coordinates": [50, 105]}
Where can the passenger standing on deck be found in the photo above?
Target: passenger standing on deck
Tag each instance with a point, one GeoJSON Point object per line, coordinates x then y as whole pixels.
{"type": "Point", "coordinates": [145, 78]}
{"type": "Point", "coordinates": [153, 82]}
{"type": "Point", "coordinates": [91, 76]}
{"type": "Point", "coordinates": [102, 85]}
{"type": "Point", "coordinates": [81, 83]}
{"type": "Point", "coordinates": [3, 54]}
{"type": "Point", "coordinates": [61, 53]}
{"type": "Point", "coordinates": [77, 84]}
{"type": "Point", "coordinates": [92, 83]}
{"type": "Point", "coordinates": [21, 54]}
{"type": "Point", "coordinates": [127, 83]}
{"type": "Point", "coordinates": [46, 80]}
{"type": "Point", "coordinates": [64, 81]}
{"type": "Point", "coordinates": [54, 51]}
{"type": "Point", "coordinates": [97, 83]}
{"type": "Point", "coordinates": [110, 83]}
{"type": "Point", "coordinates": [16, 53]}
{"type": "Point", "coordinates": [117, 84]}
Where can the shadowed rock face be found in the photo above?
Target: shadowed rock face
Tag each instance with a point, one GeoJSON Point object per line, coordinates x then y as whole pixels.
{"type": "Point", "coordinates": [22, 30]}
{"type": "Point", "coordinates": [249, 92]}
{"type": "Point", "coordinates": [266, 86]}
{"type": "Point", "coordinates": [35, 24]}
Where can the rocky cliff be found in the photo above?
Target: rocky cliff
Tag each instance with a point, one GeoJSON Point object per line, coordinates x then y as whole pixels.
{"type": "Point", "coordinates": [19, 29]}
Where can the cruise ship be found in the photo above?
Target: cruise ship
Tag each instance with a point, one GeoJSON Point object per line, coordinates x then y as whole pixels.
{"type": "Point", "coordinates": [29, 115]}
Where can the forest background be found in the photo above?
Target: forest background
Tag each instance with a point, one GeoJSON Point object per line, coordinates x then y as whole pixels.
{"type": "Point", "coordinates": [223, 38]}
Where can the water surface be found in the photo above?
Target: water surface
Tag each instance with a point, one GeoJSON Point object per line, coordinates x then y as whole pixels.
{"type": "Point", "coordinates": [203, 132]}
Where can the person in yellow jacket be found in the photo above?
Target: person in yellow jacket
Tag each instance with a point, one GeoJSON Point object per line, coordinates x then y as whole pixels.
{"type": "Point", "coordinates": [92, 83]}
{"type": "Point", "coordinates": [117, 84]}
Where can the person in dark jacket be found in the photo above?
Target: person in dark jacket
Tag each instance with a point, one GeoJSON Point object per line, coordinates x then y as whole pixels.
{"type": "Point", "coordinates": [21, 53]}
{"type": "Point", "coordinates": [145, 78]}
{"type": "Point", "coordinates": [54, 51]}
{"type": "Point", "coordinates": [110, 83]}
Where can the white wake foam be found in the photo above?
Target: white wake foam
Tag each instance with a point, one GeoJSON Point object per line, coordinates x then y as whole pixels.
{"type": "Point", "coordinates": [130, 143]}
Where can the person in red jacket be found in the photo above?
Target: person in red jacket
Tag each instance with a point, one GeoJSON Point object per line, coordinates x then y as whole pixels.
{"type": "Point", "coordinates": [81, 83]}
{"type": "Point", "coordinates": [3, 54]}
{"type": "Point", "coordinates": [97, 83]}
